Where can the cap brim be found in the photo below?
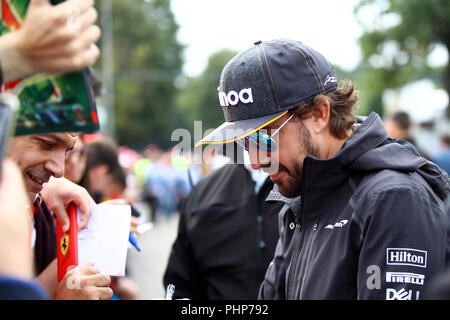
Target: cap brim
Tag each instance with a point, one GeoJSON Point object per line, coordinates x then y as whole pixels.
{"type": "Point", "coordinates": [236, 130]}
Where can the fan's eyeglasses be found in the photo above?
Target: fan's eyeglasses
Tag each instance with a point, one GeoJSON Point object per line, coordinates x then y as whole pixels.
{"type": "Point", "coordinates": [79, 153]}
{"type": "Point", "coordinates": [262, 140]}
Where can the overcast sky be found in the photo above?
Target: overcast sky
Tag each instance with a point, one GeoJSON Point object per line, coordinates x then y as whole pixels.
{"type": "Point", "coordinates": [207, 26]}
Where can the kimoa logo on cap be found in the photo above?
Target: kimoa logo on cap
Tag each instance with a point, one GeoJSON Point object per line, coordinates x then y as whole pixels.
{"type": "Point", "coordinates": [233, 98]}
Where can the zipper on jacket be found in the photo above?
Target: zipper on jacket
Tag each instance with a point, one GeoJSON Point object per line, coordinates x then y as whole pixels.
{"type": "Point", "coordinates": [305, 259]}
{"type": "Point", "coordinates": [291, 284]}
{"type": "Point", "coordinates": [261, 245]}
{"type": "Point", "coordinates": [294, 260]}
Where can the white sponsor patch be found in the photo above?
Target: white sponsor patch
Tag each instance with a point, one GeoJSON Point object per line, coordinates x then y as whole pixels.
{"type": "Point", "coordinates": [406, 257]}
{"type": "Point", "coordinates": [402, 294]}
{"type": "Point", "coordinates": [339, 224]}
{"type": "Point", "coordinates": [405, 277]}
{"type": "Point", "coordinates": [232, 97]}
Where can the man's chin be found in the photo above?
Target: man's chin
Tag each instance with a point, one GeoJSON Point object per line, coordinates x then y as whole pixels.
{"type": "Point", "coordinates": [32, 191]}
{"type": "Point", "coordinates": [289, 189]}
{"type": "Point", "coordinates": [289, 193]}
{"type": "Point", "coordinates": [32, 196]}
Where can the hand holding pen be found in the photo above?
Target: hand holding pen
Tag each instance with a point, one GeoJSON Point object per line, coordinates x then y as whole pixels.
{"type": "Point", "coordinates": [132, 239]}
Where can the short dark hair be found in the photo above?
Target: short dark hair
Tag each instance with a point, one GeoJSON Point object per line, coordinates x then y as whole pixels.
{"type": "Point", "coordinates": [119, 176]}
{"type": "Point", "coordinates": [402, 119]}
{"type": "Point", "coordinates": [100, 152]}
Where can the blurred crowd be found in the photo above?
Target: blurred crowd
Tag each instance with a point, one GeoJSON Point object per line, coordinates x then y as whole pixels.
{"type": "Point", "coordinates": [161, 179]}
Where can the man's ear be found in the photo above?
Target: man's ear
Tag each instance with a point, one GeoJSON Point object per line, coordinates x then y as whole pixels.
{"type": "Point", "coordinates": [320, 114]}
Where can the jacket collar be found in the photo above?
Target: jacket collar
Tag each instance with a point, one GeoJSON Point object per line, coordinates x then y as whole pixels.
{"type": "Point", "coordinates": [293, 203]}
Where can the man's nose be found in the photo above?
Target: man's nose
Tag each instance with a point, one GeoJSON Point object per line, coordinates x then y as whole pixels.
{"type": "Point", "coordinates": [258, 158]}
{"type": "Point", "coordinates": [56, 166]}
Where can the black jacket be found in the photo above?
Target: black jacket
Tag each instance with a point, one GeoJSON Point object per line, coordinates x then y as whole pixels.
{"type": "Point", "coordinates": [45, 245]}
{"type": "Point", "coordinates": [370, 224]}
{"type": "Point", "coordinates": [226, 238]}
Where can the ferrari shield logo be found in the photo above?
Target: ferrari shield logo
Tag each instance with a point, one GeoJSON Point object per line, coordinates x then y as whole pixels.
{"type": "Point", "coordinates": [64, 245]}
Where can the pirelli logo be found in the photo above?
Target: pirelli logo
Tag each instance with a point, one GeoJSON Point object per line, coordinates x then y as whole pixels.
{"type": "Point", "coordinates": [405, 277]}
{"type": "Point", "coordinates": [406, 257]}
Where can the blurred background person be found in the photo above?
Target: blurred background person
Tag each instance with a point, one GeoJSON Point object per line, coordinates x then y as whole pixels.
{"type": "Point", "coordinates": [142, 170]}
{"type": "Point", "coordinates": [76, 161]}
{"type": "Point", "coordinates": [167, 184]}
{"type": "Point", "coordinates": [102, 160]}
{"type": "Point", "coordinates": [399, 126]}
{"type": "Point", "coordinates": [442, 157]}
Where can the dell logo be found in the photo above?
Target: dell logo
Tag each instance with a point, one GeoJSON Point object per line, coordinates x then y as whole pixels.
{"type": "Point", "coordinates": [233, 98]}
{"type": "Point", "coordinates": [402, 294]}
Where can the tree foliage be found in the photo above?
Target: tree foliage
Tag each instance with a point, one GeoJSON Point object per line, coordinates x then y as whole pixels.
{"type": "Point", "coordinates": [397, 40]}
{"type": "Point", "coordinates": [199, 100]}
{"type": "Point", "coordinates": [147, 60]}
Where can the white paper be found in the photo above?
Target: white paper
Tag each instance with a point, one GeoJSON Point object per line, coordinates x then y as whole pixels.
{"type": "Point", "coordinates": [105, 239]}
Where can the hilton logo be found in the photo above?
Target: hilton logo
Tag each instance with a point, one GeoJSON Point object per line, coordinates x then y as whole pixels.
{"type": "Point", "coordinates": [406, 256]}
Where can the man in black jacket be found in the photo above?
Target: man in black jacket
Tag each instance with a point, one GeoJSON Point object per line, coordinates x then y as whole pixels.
{"type": "Point", "coordinates": [364, 215]}
{"type": "Point", "coordinates": [226, 237]}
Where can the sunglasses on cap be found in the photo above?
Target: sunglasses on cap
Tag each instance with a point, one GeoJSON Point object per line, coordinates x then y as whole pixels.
{"type": "Point", "coordinates": [261, 141]}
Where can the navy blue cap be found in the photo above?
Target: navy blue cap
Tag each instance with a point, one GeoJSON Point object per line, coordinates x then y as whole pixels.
{"type": "Point", "coordinates": [262, 83]}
